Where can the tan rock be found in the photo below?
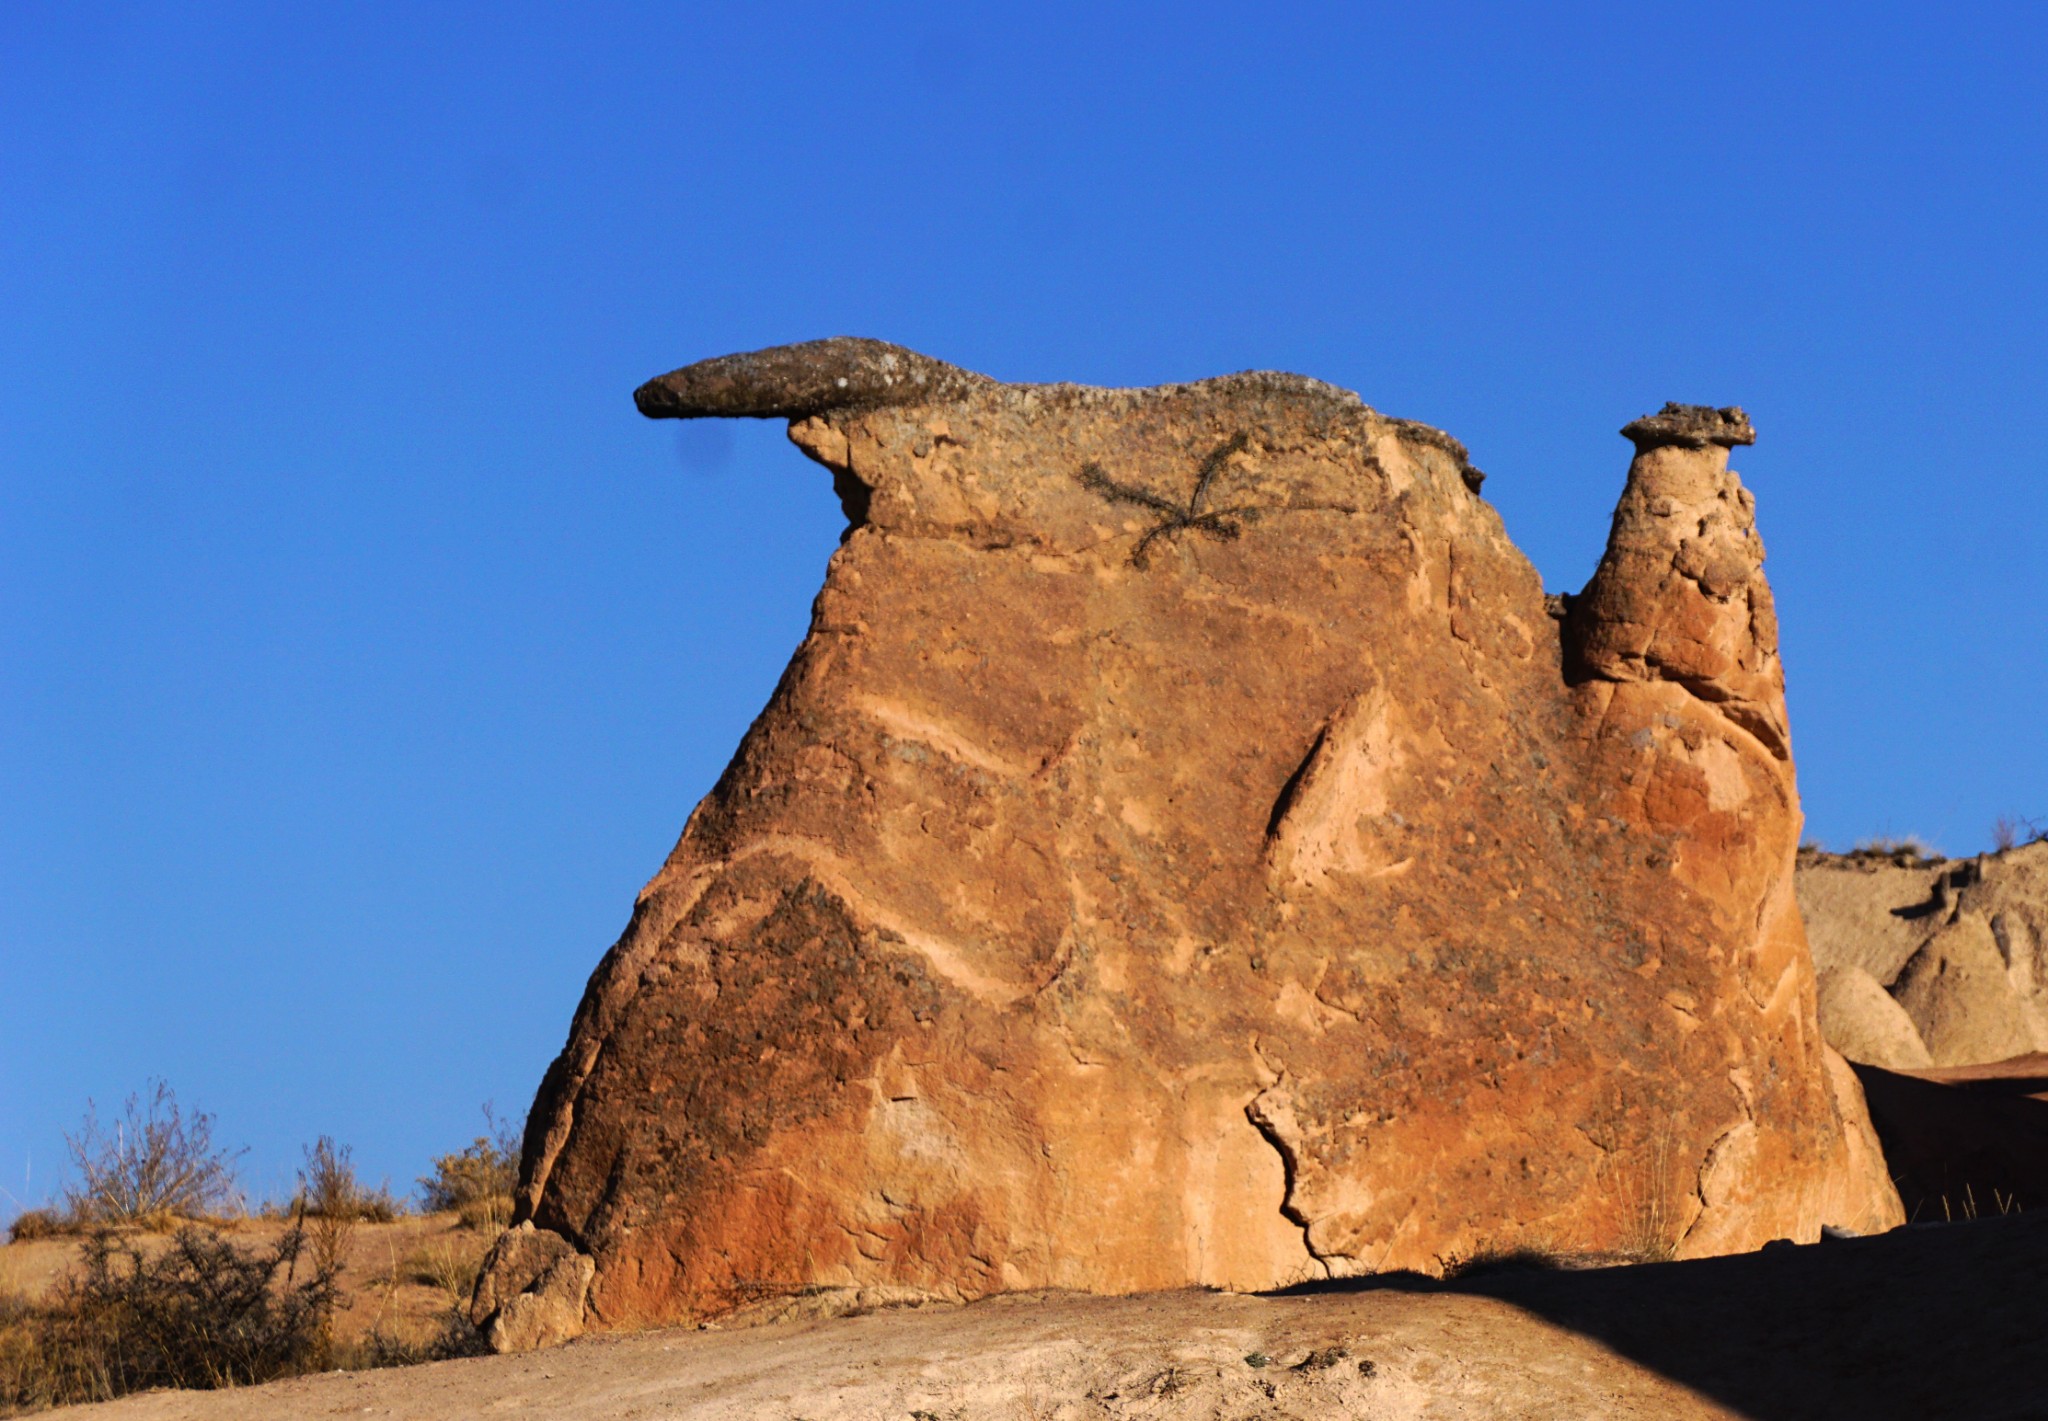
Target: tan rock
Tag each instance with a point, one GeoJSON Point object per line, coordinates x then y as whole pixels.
{"type": "Point", "coordinates": [1961, 995]}
{"type": "Point", "coordinates": [1960, 944]}
{"type": "Point", "coordinates": [530, 1290]}
{"type": "Point", "coordinates": [1865, 1023]}
{"type": "Point", "coordinates": [1185, 851]}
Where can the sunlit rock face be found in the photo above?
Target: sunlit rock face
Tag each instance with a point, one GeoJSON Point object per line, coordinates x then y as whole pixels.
{"type": "Point", "coordinates": [1189, 848]}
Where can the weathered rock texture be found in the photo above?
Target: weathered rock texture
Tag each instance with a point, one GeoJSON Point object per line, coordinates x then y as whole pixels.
{"type": "Point", "coordinates": [1188, 848]}
{"type": "Point", "coordinates": [1930, 961]}
{"type": "Point", "coordinates": [530, 1290]}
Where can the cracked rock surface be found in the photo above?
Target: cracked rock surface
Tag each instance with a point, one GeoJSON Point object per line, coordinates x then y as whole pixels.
{"type": "Point", "coordinates": [1189, 848]}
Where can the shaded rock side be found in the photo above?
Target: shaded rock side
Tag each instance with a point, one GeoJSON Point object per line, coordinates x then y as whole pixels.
{"type": "Point", "coordinates": [1965, 1142]}
{"type": "Point", "coordinates": [1188, 849]}
{"type": "Point", "coordinates": [1959, 945]}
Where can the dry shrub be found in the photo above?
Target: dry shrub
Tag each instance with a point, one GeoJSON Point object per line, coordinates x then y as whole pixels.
{"type": "Point", "coordinates": [32, 1224]}
{"type": "Point", "coordinates": [1523, 1258]}
{"type": "Point", "coordinates": [199, 1313]}
{"type": "Point", "coordinates": [477, 1182]}
{"type": "Point", "coordinates": [336, 1201]}
{"type": "Point", "coordinates": [1911, 851]}
{"type": "Point", "coordinates": [329, 1188]}
{"type": "Point", "coordinates": [2009, 831]}
{"type": "Point", "coordinates": [152, 1166]}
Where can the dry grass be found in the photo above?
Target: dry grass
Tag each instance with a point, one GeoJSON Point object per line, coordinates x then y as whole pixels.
{"type": "Point", "coordinates": [1645, 1201]}
{"type": "Point", "coordinates": [33, 1224]}
{"type": "Point", "coordinates": [1910, 851]}
{"type": "Point", "coordinates": [448, 1265]}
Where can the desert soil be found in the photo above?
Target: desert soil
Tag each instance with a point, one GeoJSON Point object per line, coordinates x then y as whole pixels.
{"type": "Point", "coordinates": [1928, 1321]}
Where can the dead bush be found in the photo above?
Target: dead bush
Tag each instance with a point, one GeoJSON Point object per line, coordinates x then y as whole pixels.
{"type": "Point", "coordinates": [153, 1165]}
{"type": "Point", "coordinates": [198, 1313]}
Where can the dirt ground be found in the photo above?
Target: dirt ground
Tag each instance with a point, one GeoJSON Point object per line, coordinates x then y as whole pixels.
{"type": "Point", "coordinates": [400, 1278]}
{"type": "Point", "coordinates": [1925, 1322]}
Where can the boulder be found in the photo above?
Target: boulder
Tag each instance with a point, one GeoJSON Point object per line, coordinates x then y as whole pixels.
{"type": "Point", "coordinates": [1866, 1024]}
{"type": "Point", "coordinates": [1190, 849]}
{"type": "Point", "coordinates": [530, 1290]}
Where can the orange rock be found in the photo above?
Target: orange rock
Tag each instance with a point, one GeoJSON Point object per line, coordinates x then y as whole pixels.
{"type": "Point", "coordinates": [1188, 848]}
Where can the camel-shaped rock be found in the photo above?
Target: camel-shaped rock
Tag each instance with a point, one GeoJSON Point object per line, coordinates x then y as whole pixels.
{"type": "Point", "coordinates": [1189, 848]}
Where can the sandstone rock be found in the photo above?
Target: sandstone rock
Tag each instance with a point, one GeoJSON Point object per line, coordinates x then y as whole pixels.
{"type": "Point", "coordinates": [530, 1290]}
{"type": "Point", "coordinates": [1862, 1021]}
{"type": "Point", "coordinates": [1960, 944]}
{"type": "Point", "coordinates": [1189, 849]}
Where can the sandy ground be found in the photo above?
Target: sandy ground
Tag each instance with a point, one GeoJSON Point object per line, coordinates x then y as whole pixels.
{"type": "Point", "coordinates": [1926, 1322]}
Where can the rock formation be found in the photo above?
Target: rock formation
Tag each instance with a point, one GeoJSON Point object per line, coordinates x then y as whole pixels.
{"type": "Point", "coordinates": [1189, 848]}
{"type": "Point", "coordinates": [1930, 961]}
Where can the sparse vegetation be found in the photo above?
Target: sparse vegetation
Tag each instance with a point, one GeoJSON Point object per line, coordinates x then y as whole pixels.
{"type": "Point", "coordinates": [477, 1182]}
{"type": "Point", "coordinates": [198, 1313]}
{"type": "Point", "coordinates": [151, 1167]}
{"type": "Point", "coordinates": [2009, 831]}
{"type": "Point", "coordinates": [447, 1266]}
{"type": "Point", "coordinates": [1643, 1193]}
{"type": "Point", "coordinates": [329, 1188]}
{"type": "Point", "coordinates": [197, 1310]}
{"type": "Point", "coordinates": [32, 1224]}
{"type": "Point", "coordinates": [336, 1201]}
{"type": "Point", "coordinates": [1909, 851]}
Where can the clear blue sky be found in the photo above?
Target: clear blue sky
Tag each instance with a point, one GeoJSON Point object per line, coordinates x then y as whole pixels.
{"type": "Point", "coordinates": [362, 651]}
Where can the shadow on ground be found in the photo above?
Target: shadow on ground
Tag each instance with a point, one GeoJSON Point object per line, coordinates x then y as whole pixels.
{"type": "Point", "coordinates": [1965, 1141]}
{"type": "Point", "coordinates": [1928, 1321]}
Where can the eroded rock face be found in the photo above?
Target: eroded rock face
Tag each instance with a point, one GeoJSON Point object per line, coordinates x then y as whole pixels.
{"type": "Point", "coordinates": [1188, 848]}
{"type": "Point", "coordinates": [1960, 946]}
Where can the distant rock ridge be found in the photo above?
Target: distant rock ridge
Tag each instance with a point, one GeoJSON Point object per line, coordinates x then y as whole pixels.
{"type": "Point", "coordinates": [1927, 961]}
{"type": "Point", "coordinates": [1188, 849]}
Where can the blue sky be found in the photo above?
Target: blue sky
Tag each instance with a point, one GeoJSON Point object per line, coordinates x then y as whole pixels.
{"type": "Point", "coordinates": [362, 651]}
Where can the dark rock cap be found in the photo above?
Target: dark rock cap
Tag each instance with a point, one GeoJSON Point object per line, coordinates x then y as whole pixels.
{"type": "Point", "coordinates": [855, 373]}
{"type": "Point", "coordinates": [797, 381]}
{"type": "Point", "coordinates": [1691, 427]}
